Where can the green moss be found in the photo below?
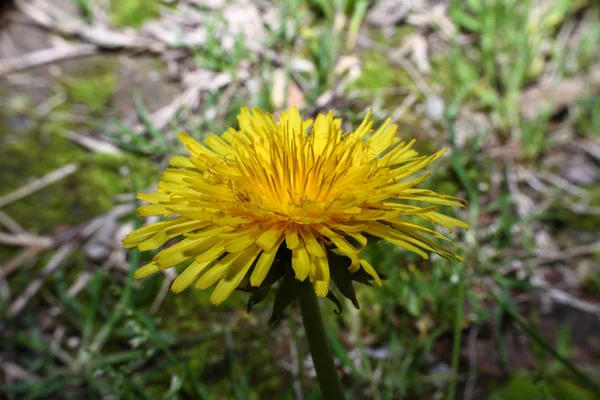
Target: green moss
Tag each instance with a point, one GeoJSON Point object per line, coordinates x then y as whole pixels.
{"type": "Point", "coordinates": [587, 117]}
{"type": "Point", "coordinates": [378, 72]}
{"type": "Point", "coordinates": [7, 253]}
{"type": "Point", "coordinates": [102, 174]}
{"type": "Point", "coordinates": [189, 314]}
{"type": "Point", "coordinates": [191, 302]}
{"type": "Point", "coordinates": [400, 32]}
{"type": "Point", "coordinates": [93, 87]}
{"type": "Point", "coordinates": [461, 79]}
{"type": "Point", "coordinates": [591, 222]}
{"type": "Point", "coordinates": [523, 386]}
{"type": "Point", "coordinates": [133, 13]}
{"type": "Point", "coordinates": [86, 193]}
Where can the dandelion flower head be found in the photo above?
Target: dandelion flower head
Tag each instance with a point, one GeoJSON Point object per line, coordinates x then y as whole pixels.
{"type": "Point", "coordinates": [306, 186]}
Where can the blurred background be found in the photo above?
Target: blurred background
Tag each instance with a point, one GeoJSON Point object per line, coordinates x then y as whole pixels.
{"type": "Point", "coordinates": [94, 92]}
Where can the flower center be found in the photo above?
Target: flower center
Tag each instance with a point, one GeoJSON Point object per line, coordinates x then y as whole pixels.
{"type": "Point", "coordinates": [303, 178]}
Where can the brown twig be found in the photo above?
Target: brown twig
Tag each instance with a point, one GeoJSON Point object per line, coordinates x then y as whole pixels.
{"type": "Point", "coordinates": [79, 284]}
{"type": "Point", "coordinates": [10, 223]}
{"type": "Point", "coordinates": [170, 276]}
{"type": "Point", "coordinates": [44, 57]}
{"type": "Point", "coordinates": [197, 82]}
{"type": "Point", "coordinates": [50, 17]}
{"type": "Point", "coordinates": [26, 239]}
{"type": "Point", "coordinates": [406, 104]}
{"type": "Point", "coordinates": [92, 144]}
{"type": "Point", "coordinates": [567, 254]}
{"type": "Point", "coordinates": [561, 296]}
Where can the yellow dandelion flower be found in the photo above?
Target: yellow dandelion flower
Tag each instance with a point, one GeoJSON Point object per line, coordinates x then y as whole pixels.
{"type": "Point", "coordinates": [308, 187]}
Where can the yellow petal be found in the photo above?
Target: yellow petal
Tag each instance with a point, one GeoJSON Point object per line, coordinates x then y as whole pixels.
{"type": "Point", "coordinates": [154, 197]}
{"type": "Point", "coordinates": [365, 127]}
{"type": "Point", "coordinates": [194, 147]}
{"type": "Point", "coordinates": [229, 221]}
{"type": "Point", "coordinates": [180, 161]}
{"type": "Point", "coordinates": [291, 237]}
{"type": "Point", "coordinates": [146, 270]}
{"type": "Point", "coordinates": [185, 226]}
{"type": "Point", "coordinates": [212, 230]}
{"type": "Point", "coordinates": [152, 210]}
{"type": "Point", "coordinates": [391, 235]}
{"type": "Point", "coordinates": [269, 238]}
{"type": "Point", "coordinates": [371, 271]}
{"type": "Point", "coordinates": [321, 283]}
{"type": "Point", "coordinates": [383, 138]}
{"type": "Point", "coordinates": [167, 233]}
{"type": "Point", "coordinates": [409, 169]}
{"type": "Point", "coordinates": [188, 276]}
{"type": "Point", "coordinates": [216, 144]}
{"type": "Point", "coordinates": [213, 253]}
{"type": "Point", "coordinates": [430, 197]}
{"type": "Point", "coordinates": [264, 265]}
{"type": "Point", "coordinates": [444, 220]}
{"type": "Point", "coordinates": [239, 244]}
{"type": "Point", "coordinates": [321, 288]}
{"type": "Point", "coordinates": [399, 154]}
{"type": "Point", "coordinates": [211, 276]}
{"type": "Point", "coordinates": [406, 226]}
{"type": "Point", "coordinates": [182, 251]}
{"type": "Point", "coordinates": [145, 233]}
{"type": "Point", "coordinates": [235, 275]}
{"type": "Point", "coordinates": [300, 263]}
{"type": "Point", "coordinates": [262, 268]}
{"type": "Point", "coordinates": [400, 187]}
{"type": "Point", "coordinates": [312, 245]}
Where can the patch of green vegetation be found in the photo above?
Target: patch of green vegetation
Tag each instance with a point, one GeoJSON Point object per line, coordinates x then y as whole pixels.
{"type": "Point", "coordinates": [106, 172]}
{"type": "Point", "coordinates": [85, 10]}
{"type": "Point", "coordinates": [72, 200]}
{"type": "Point", "coordinates": [525, 387]}
{"type": "Point", "coordinates": [589, 46]}
{"type": "Point", "coordinates": [222, 362]}
{"type": "Point", "coordinates": [381, 77]}
{"type": "Point", "coordinates": [133, 13]}
{"type": "Point", "coordinates": [378, 72]}
{"type": "Point", "coordinates": [587, 117]}
{"type": "Point", "coordinates": [396, 37]}
{"type": "Point", "coordinates": [492, 72]}
{"type": "Point", "coordinates": [213, 56]}
{"type": "Point", "coordinates": [591, 222]}
{"type": "Point", "coordinates": [93, 86]}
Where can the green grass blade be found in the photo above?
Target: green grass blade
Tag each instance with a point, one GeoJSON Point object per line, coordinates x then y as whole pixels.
{"type": "Point", "coordinates": [147, 121]}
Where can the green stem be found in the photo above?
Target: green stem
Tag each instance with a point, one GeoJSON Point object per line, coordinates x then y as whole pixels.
{"type": "Point", "coordinates": [327, 373]}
